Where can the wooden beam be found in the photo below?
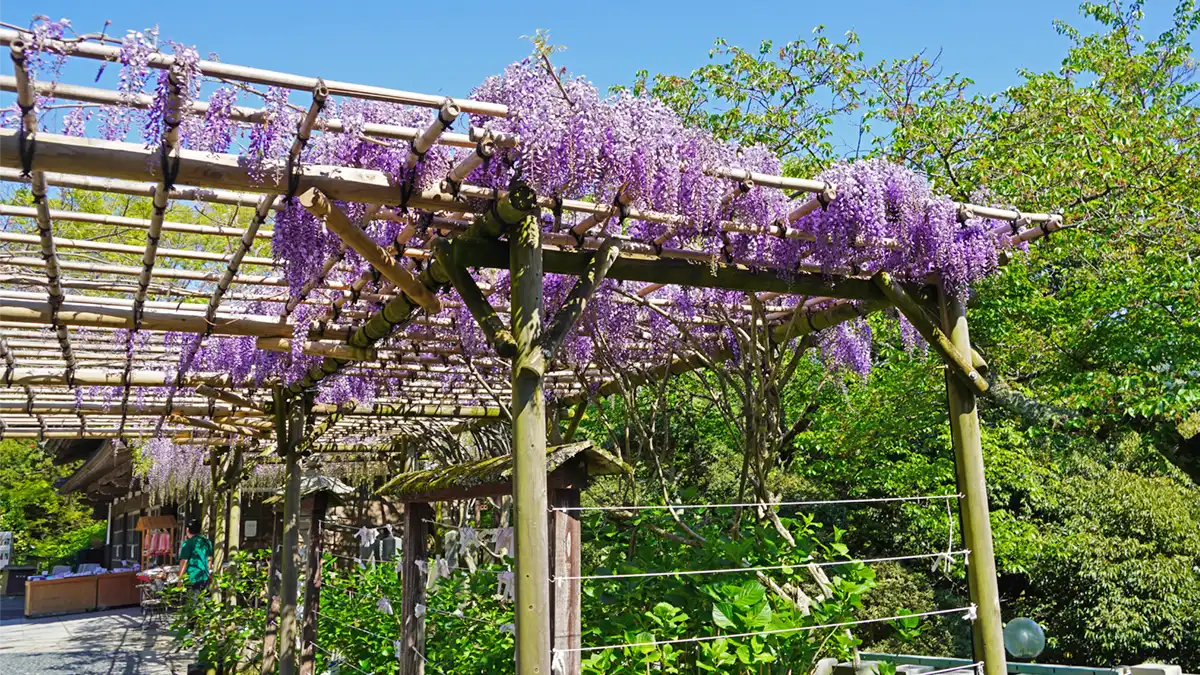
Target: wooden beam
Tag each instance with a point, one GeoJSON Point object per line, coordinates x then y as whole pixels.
{"type": "Point", "coordinates": [477, 303]}
{"type": "Point", "coordinates": [702, 274]}
{"type": "Point", "coordinates": [318, 204]}
{"type": "Point", "coordinates": [593, 275]}
{"type": "Point", "coordinates": [960, 364]}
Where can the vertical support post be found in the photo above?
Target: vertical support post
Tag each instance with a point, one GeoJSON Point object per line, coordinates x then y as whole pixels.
{"type": "Point", "coordinates": [270, 657]}
{"type": "Point", "coordinates": [291, 538]}
{"type": "Point", "coordinates": [234, 527]}
{"type": "Point", "coordinates": [208, 520]}
{"type": "Point", "coordinates": [565, 561]}
{"type": "Point", "coordinates": [412, 627]}
{"type": "Point", "coordinates": [988, 628]}
{"type": "Point", "coordinates": [529, 453]}
{"type": "Point", "coordinates": [312, 593]}
{"type": "Point", "coordinates": [220, 519]}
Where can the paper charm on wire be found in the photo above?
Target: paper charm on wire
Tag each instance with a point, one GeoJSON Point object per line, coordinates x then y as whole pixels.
{"type": "Point", "coordinates": [366, 536]}
{"type": "Point", "coordinates": [944, 561]}
{"type": "Point", "coordinates": [419, 610]}
{"type": "Point", "coordinates": [399, 647]}
{"type": "Point", "coordinates": [384, 605]}
{"type": "Point", "coordinates": [972, 613]}
{"type": "Point", "coordinates": [509, 628]}
{"type": "Point", "coordinates": [507, 584]}
{"type": "Point", "coordinates": [504, 540]}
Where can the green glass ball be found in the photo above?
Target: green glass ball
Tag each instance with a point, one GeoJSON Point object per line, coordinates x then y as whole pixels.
{"type": "Point", "coordinates": [1024, 638]}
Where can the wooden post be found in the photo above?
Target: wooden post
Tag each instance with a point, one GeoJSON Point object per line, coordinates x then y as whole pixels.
{"type": "Point", "coordinates": [291, 535]}
{"type": "Point", "coordinates": [220, 540]}
{"type": "Point", "coordinates": [412, 630]}
{"type": "Point", "coordinates": [529, 453]}
{"type": "Point", "coordinates": [312, 594]}
{"type": "Point", "coordinates": [988, 628]}
{"type": "Point", "coordinates": [208, 522]}
{"type": "Point", "coordinates": [565, 562]}
{"type": "Point", "coordinates": [270, 657]}
{"type": "Point", "coordinates": [234, 528]}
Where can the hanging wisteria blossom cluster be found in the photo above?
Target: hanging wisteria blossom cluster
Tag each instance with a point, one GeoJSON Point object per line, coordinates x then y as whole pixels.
{"type": "Point", "coordinates": [574, 144]}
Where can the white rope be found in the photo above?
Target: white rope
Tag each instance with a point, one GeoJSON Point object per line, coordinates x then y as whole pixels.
{"type": "Point", "coordinates": [341, 660]}
{"type": "Point", "coordinates": [970, 610]}
{"type": "Point", "coordinates": [825, 502]}
{"type": "Point", "coordinates": [765, 568]}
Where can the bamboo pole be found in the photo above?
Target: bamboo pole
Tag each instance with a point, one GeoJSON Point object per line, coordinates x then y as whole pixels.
{"type": "Point", "coordinates": [135, 222]}
{"type": "Point", "coordinates": [230, 397]}
{"type": "Point", "coordinates": [529, 453]}
{"type": "Point", "coordinates": [150, 409]}
{"type": "Point", "coordinates": [161, 273]}
{"type": "Point", "coordinates": [26, 104]}
{"type": "Point", "coordinates": [320, 206]}
{"type": "Point", "coordinates": [106, 247]}
{"type": "Point", "coordinates": [137, 188]}
{"type": "Point", "coordinates": [226, 71]}
{"type": "Point", "coordinates": [71, 92]}
{"type": "Point", "coordinates": [459, 172]}
{"type": "Point", "coordinates": [128, 161]}
{"type": "Point", "coordinates": [420, 144]}
{"type": "Point", "coordinates": [988, 628]}
{"type": "Point", "coordinates": [108, 378]}
{"type": "Point", "coordinates": [960, 364]}
{"type": "Point", "coordinates": [89, 315]}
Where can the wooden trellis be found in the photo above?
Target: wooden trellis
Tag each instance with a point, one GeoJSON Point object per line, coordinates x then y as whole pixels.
{"type": "Point", "coordinates": [59, 317]}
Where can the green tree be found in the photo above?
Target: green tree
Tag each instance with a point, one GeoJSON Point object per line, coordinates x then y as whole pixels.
{"type": "Point", "coordinates": [1095, 333]}
{"type": "Point", "coordinates": [47, 526]}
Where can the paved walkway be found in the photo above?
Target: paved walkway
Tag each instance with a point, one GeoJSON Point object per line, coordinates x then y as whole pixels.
{"type": "Point", "coordinates": [109, 643]}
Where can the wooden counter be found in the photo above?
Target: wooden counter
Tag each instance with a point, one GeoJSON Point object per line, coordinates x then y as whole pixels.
{"type": "Point", "coordinates": [81, 594]}
{"type": "Point", "coordinates": [118, 589]}
{"type": "Point", "coordinates": [60, 596]}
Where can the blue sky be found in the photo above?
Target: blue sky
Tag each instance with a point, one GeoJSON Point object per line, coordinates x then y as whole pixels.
{"type": "Point", "coordinates": [447, 47]}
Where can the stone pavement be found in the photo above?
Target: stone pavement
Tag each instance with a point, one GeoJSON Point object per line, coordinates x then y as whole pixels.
{"type": "Point", "coordinates": [110, 643]}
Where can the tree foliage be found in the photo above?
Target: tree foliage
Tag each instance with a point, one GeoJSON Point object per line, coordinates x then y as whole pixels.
{"type": "Point", "coordinates": [48, 527]}
{"type": "Point", "coordinates": [1093, 454]}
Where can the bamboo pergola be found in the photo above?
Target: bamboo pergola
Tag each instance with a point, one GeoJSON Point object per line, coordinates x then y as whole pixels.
{"type": "Point", "coordinates": [90, 345]}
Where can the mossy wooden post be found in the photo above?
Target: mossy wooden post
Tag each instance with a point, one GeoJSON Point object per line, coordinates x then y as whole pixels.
{"type": "Point", "coordinates": [567, 591]}
{"type": "Point", "coordinates": [312, 591]}
{"type": "Point", "coordinates": [291, 536]}
{"type": "Point", "coordinates": [412, 627]}
{"type": "Point", "coordinates": [529, 453]}
{"type": "Point", "coordinates": [988, 628]}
